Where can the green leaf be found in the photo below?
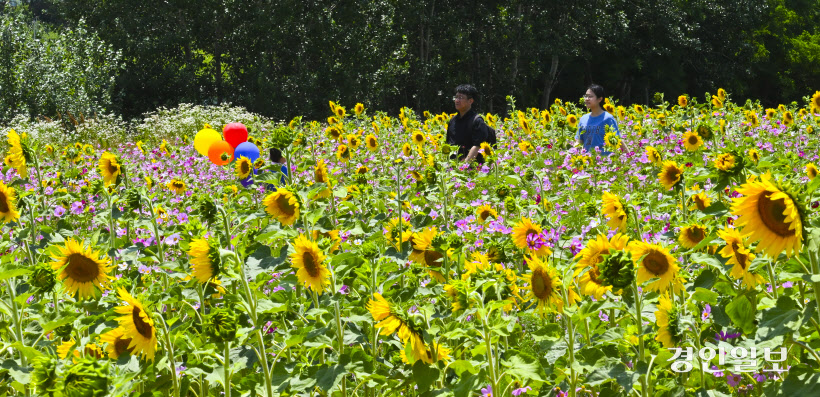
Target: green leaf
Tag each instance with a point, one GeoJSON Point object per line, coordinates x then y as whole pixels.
{"type": "Point", "coordinates": [460, 366]}
{"type": "Point", "coordinates": [424, 375]}
{"type": "Point", "coordinates": [618, 372]}
{"type": "Point", "coordinates": [18, 373]}
{"type": "Point", "coordinates": [705, 295]}
{"type": "Point", "coordinates": [267, 306]}
{"type": "Point", "coordinates": [717, 209]}
{"type": "Point", "coordinates": [467, 385]}
{"type": "Point", "coordinates": [706, 259]}
{"type": "Point", "coordinates": [328, 376]}
{"type": "Point", "coordinates": [742, 313]}
{"type": "Point", "coordinates": [801, 381]}
{"type": "Point", "coordinates": [13, 272]}
{"type": "Point", "coordinates": [706, 279]}
{"type": "Point", "coordinates": [52, 325]}
{"type": "Point", "coordinates": [778, 321]}
{"type": "Point", "coordinates": [516, 366]}
{"type": "Point", "coordinates": [30, 352]}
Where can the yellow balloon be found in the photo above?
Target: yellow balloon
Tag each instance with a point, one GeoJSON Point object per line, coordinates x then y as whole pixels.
{"type": "Point", "coordinates": [204, 139]}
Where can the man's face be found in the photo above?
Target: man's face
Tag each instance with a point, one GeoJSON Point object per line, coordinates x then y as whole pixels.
{"type": "Point", "coordinates": [462, 102]}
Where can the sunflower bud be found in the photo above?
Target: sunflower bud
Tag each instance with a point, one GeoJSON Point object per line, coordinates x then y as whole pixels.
{"type": "Point", "coordinates": [439, 243]}
{"type": "Point", "coordinates": [530, 174]}
{"type": "Point", "coordinates": [369, 250]}
{"type": "Point", "coordinates": [617, 270]}
{"type": "Point", "coordinates": [430, 176]}
{"type": "Point", "coordinates": [133, 200]}
{"type": "Point", "coordinates": [509, 204]}
{"type": "Point", "coordinates": [282, 137]}
{"type": "Point", "coordinates": [43, 278]}
{"type": "Point", "coordinates": [44, 375]}
{"type": "Point", "coordinates": [207, 210]}
{"type": "Point", "coordinates": [502, 191]}
{"type": "Point", "coordinates": [63, 332]}
{"type": "Point", "coordinates": [455, 241]}
{"type": "Point", "coordinates": [495, 253]}
{"type": "Point", "coordinates": [221, 325]}
{"type": "Point", "coordinates": [591, 209]}
{"type": "Point", "coordinates": [87, 378]}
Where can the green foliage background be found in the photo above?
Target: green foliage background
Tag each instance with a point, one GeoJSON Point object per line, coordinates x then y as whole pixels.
{"type": "Point", "coordinates": [289, 57]}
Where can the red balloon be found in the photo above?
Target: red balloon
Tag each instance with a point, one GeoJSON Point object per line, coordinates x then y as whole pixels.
{"type": "Point", "coordinates": [220, 153]}
{"type": "Point", "coordinates": [235, 133]}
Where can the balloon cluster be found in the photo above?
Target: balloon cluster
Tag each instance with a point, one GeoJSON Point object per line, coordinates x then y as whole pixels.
{"type": "Point", "coordinates": [208, 142]}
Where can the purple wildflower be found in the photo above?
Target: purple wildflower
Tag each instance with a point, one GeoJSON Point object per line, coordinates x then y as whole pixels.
{"type": "Point", "coordinates": [520, 391]}
{"type": "Point", "coordinates": [733, 379]}
{"type": "Point", "coordinates": [59, 211]}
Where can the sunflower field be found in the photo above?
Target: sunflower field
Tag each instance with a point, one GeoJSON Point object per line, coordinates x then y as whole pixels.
{"type": "Point", "coordinates": [688, 264]}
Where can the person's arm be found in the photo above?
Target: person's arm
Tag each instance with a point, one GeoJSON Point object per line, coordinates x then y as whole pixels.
{"type": "Point", "coordinates": [472, 155]}
{"type": "Point", "coordinates": [618, 132]}
{"type": "Point", "coordinates": [578, 140]}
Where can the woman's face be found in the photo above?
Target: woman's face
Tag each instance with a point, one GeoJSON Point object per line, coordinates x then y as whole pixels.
{"type": "Point", "coordinates": [590, 100]}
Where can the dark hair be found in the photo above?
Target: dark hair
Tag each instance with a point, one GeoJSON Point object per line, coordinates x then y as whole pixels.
{"type": "Point", "coordinates": [468, 90]}
{"type": "Point", "coordinates": [597, 90]}
{"type": "Point", "coordinates": [275, 155]}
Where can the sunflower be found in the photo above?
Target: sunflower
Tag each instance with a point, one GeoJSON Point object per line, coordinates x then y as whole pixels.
{"type": "Point", "coordinates": [692, 141]}
{"type": "Point", "coordinates": [109, 167]}
{"type": "Point", "coordinates": [717, 102]}
{"type": "Point", "coordinates": [770, 113]}
{"type": "Point", "coordinates": [177, 186]}
{"type": "Point", "coordinates": [17, 153]}
{"type": "Point", "coordinates": [379, 309]}
{"type": "Point", "coordinates": [443, 354]}
{"type": "Point", "coordinates": [614, 209]}
{"type": "Point", "coordinates": [588, 259]}
{"type": "Point", "coordinates": [572, 120]}
{"type": "Point", "coordinates": [612, 141]}
{"type": "Point", "coordinates": [284, 205]}
{"type": "Point", "coordinates": [343, 153]}
{"type": "Point", "coordinates": [117, 343]}
{"type": "Point", "coordinates": [390, 322]}
{"type": "Point", "coordinates": [423, 252]}
{"type": "Point", "coordinates": [320, 175]}
{"type": "Point", "coordinates": [700, 201]}
{"type": "Point", "coordinates": [669, 330]}
{"type": "Point", "coordinates": [691, 235]}
{"type": "Point", "coordinates": [725, 162]}
{"type": "Point", "coordinates": [739, 256]}
{"type": "Point", "coordinates": [771, 215]}
{"type": "Point", "coordinates": [8, 204]}
{"type": "Point", "coordinates": [148, 182]}
{"type": "Point", "coordinates": [754, 155]}
{"type": "Point", "coordinates": [333, 132]}
{"type": "Point", "coordinates": [524, 229]}
{"type": "Point", "coordinates": [391, 232]}
{"type": "Point", "coordinates": [788, 118]}
{"type": "Point", "coordinates": [545, 287]}
{"type": "Point", "coordinates": [332, 235]}
{"type": "Point", "coordinates": [205, 260]}
{"type": "Point", "coordinates": [243, 167]}
{"type": "Point", "coordinates": [81, 269]}
{"type": "Point", "coordinates": [137, 325]}
{"type": "Point", "coordinates": [683, 101]}
{"type": "Point", "coordinates": [418, 138]}
{"type": "Point", "coordinates": [371, 142]}
{"type": "Point", "coordinates": [653, 155]}
{"type": "Point", "coordinates": [671, 174]}
{"type": "Point", "coordinates": [811, 172]}
{"type": "Point", "coordinates": [525, 147]}
{"type": "Point", "coordinates": [484, 212]}
{"type": "Point", "coordinates": [308, 260]}
{"type": "Point", "coordinates": [406, 150]}
{"type": "Point", "coordinates": [358, 109]}
{"type": "Point", "coordinates": [486, 150]}
{"type": "Point", "coordinates": [639, 109]}
{"type": "Point", "coordinates": [340, 112]}
{"type": "Point", "coordinates": [362, 169]}
{"type": "Point", "coordinates": [753, 120]}
{"type": "Point", "coordinates": [654, 261]}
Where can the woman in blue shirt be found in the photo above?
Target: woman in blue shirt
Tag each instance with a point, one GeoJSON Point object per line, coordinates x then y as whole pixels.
{"type": "Point", "coordinates": [592, 126]}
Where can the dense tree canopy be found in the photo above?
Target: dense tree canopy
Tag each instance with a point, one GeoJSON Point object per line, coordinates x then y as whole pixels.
{"type": "Point", "coordinates": [288, 57]}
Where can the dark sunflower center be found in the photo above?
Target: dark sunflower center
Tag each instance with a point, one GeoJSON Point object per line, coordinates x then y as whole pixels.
{"type": "Point", "coordinates": [699, 203]}
{"type": "Point", "coordinates": [178, 185]}
{"type": "Point", "coordinates": [693, 140]}
{"type": "Point", "coordinates": [741, 259]}
{"type": "Point", "coordinates": [541, 284]}
{"type": "Point", "coordinates": [672, 174]}
{"type": "Point", "coordinates": [484, 215]}
{"type": "Point", "coordinates": [142, 327]}
{"type": "Point", "coordinates": [656, 263]}
{"type": "Point", "coordinates": [310, 264]}
{"type": "Point", "coordinates": [432, 258]}
{"type": "Point", "coordinates": [284, 205]}
{"type": "Point", "coordinates": [82, 268]}
{"type": "Point", "coordinates": [113, 168]}
{"type": "Point", "coordinates": [245, 167]}
{"type": "Point", "coordinates": [594, 272]}
{"type": "Point", "coordinates": [771, 213]}
{"type": "Point", "coordinates": [121, 345]}
{"type": "Point", "coordinates": [4, 203]}
{"type": "Point", "coordinates": [696, 234]}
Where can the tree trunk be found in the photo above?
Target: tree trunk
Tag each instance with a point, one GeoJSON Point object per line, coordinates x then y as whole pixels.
{"type": "Point", "coordinates": [550, 82]}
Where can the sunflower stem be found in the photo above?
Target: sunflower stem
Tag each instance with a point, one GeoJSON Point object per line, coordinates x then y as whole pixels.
{"type": "Point", "coordinates": [487, 336]}
{"type": "Point", "coordinates": [156, 237]}
{"type": "Point", "coordinates": [772, 280]}
{"type": "Point", "coordinates": [814, 259]}
{"type": "Point", "coordinates": [170, 350]}
{"type": "Point", "coordinates": [639, 323]}
{"type": "Point", "coordinates": [227, 362]}
{"type": "Point", "coordinates": [571, 348]}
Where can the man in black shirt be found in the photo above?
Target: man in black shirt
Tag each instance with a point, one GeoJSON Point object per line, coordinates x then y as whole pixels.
{"type": "Point", "coordinates": [467, 129]}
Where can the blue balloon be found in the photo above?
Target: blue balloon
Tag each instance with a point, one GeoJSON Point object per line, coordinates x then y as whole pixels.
{"type": "Point", "coordinates": [248, 150]}
{"type": "Point", "coordinates": [246, 182]}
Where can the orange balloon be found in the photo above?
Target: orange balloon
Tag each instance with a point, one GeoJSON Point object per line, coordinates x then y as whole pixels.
{"type": "Point", "coordinates": [220, 153]}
